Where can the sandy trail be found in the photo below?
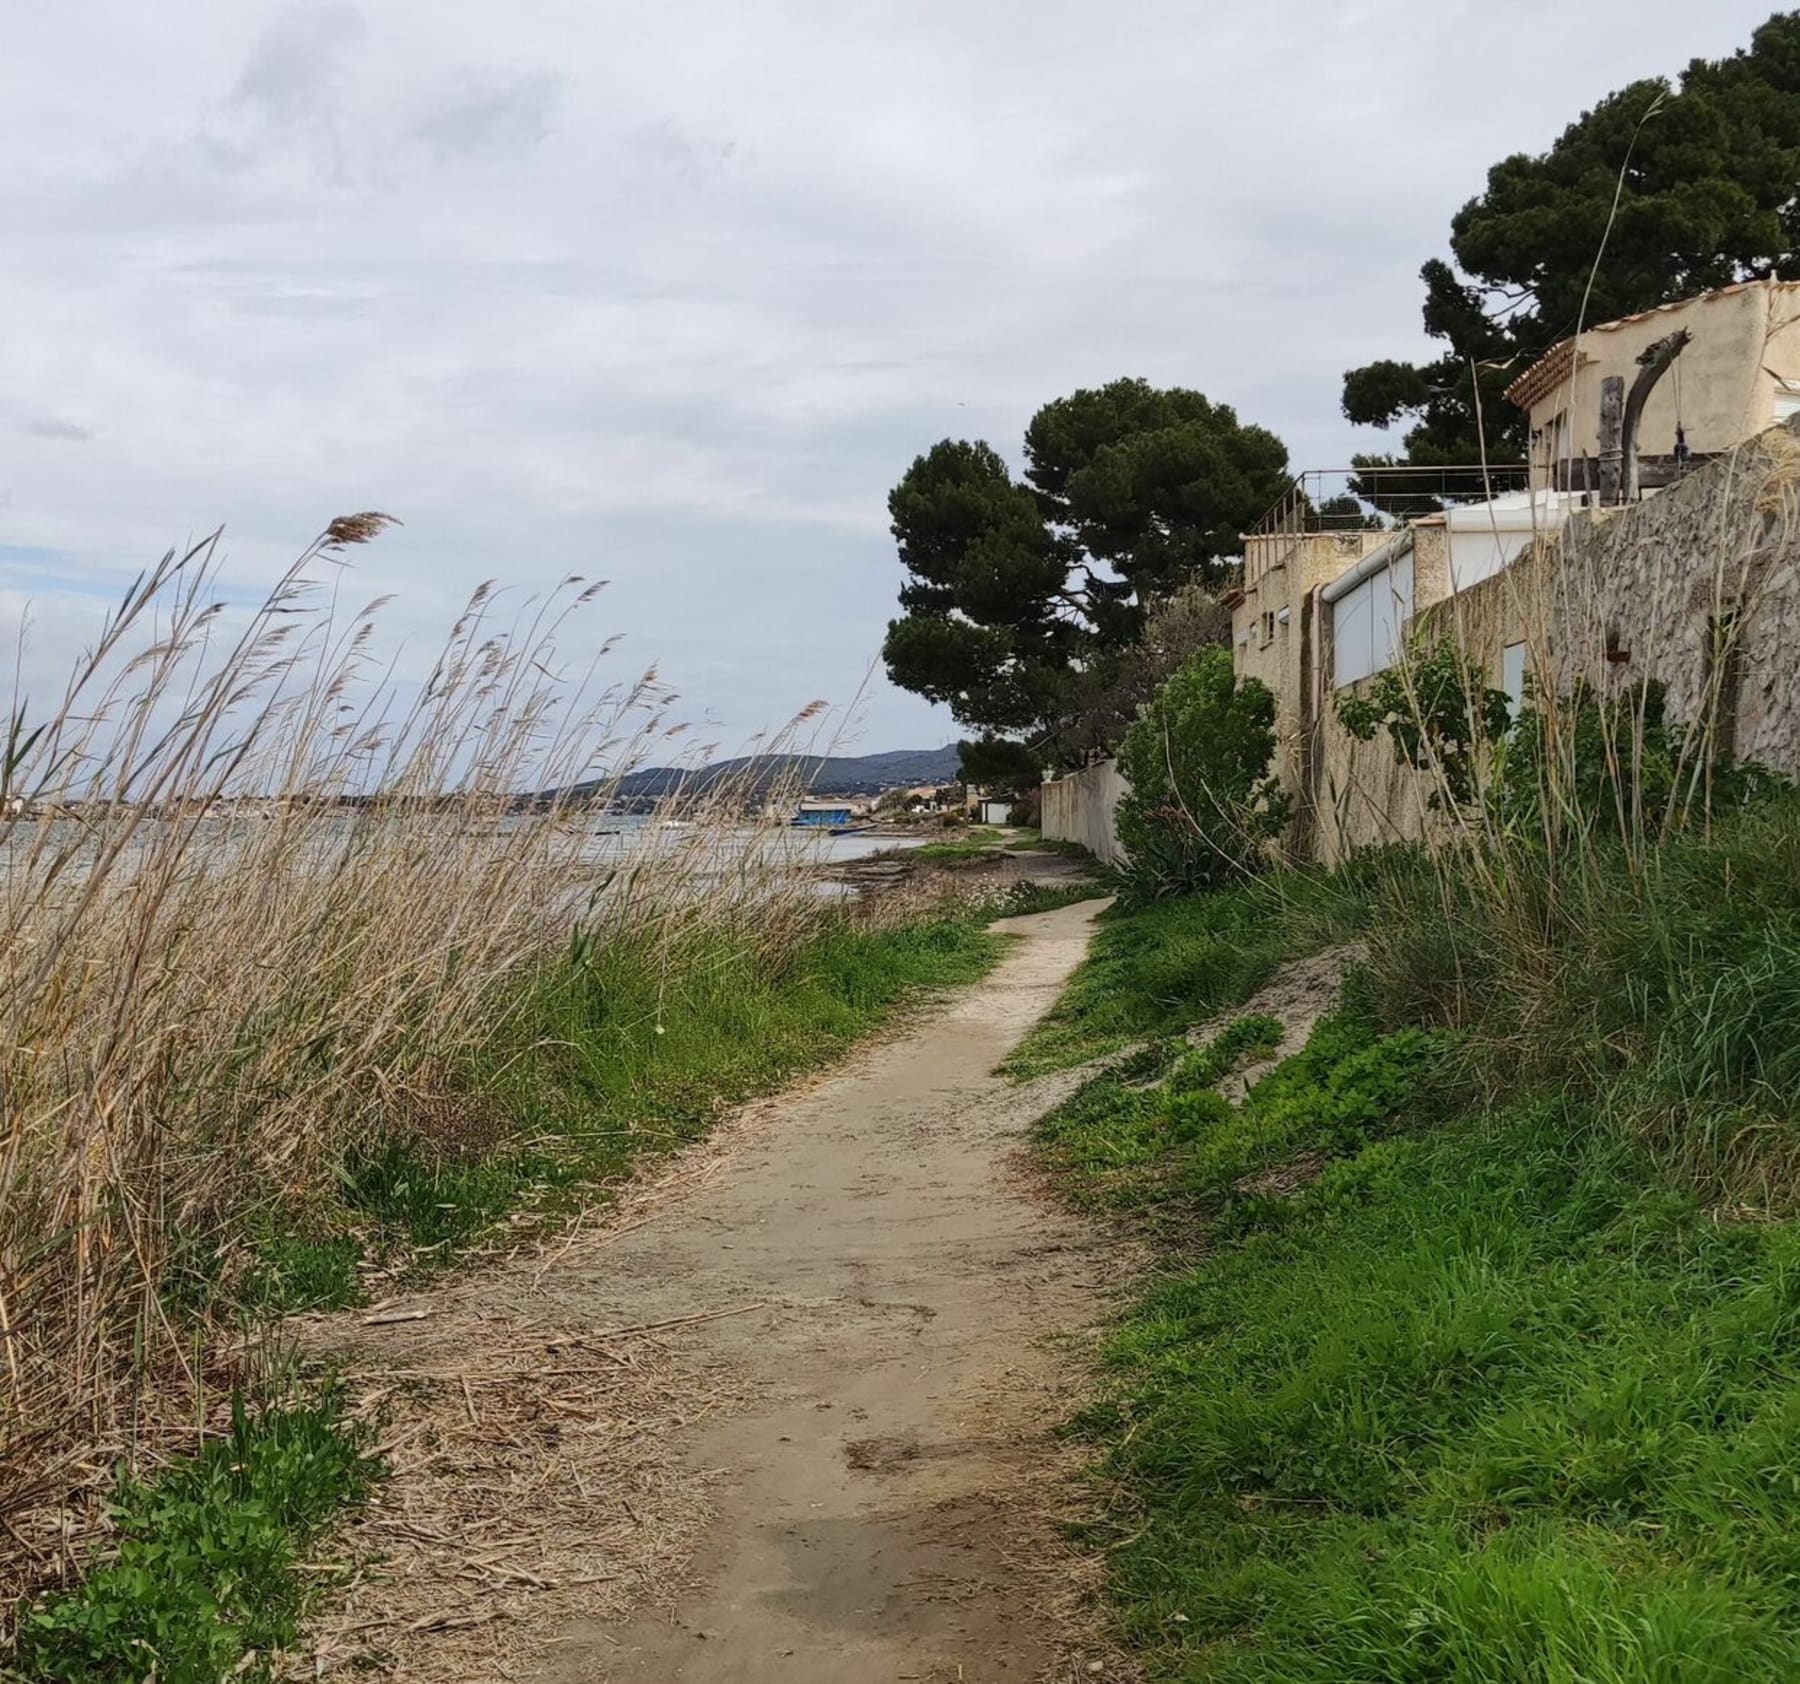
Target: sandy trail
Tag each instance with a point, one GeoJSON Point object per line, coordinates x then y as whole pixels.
{"type": "Point", "coordinates": [865, 1499]}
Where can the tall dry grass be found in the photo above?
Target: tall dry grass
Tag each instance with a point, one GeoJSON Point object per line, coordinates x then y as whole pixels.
{"type": "Point", "coordinates": [258, 901]}
{"type": "Point", "coordinates": [1607, 904]}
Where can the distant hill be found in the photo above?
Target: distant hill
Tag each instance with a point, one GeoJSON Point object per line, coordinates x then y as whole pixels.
{"type": "Point", "coordinates": [851, 774]}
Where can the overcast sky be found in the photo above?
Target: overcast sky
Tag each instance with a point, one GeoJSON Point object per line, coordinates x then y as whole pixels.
{"type": "Point", "coordinates": [671, 294]}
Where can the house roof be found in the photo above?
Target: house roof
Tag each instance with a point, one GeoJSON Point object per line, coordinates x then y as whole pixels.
{"type": "Point", "coordinates": [1514, 511]}
{"type": "Point", "coordinates": [1556, 364]}
{"type": "Point", "coordinates": [1544, 375]}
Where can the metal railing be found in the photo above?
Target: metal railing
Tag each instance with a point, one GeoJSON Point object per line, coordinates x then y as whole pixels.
{"type": "Point", "coordinates": [1380, 497]}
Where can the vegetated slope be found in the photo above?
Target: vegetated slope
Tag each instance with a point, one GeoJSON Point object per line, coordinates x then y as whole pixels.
{"type": "Point", "coordinates": [832, 774]}
{"type": "Point", "coordinates": [1488, 1367]}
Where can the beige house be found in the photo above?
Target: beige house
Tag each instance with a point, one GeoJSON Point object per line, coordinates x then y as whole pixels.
{"type": "Point", "coordinates": [1274, 630]}
{"type": "Point", "coordinates": [1319, 607]}
{"type": "Point", "coordinates": [1736, 373]}
{"type": "Point", "coordinates": [1318, 611]}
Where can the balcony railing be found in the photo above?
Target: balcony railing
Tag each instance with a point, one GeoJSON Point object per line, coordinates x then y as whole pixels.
{"type": "Point", "coordinates": [1376, 498]}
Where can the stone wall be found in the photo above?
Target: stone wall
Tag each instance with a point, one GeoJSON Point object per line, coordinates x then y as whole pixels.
{"type": "Point", "coordinates": [1080, 806]}
{"type": "Point", "coordinates": [1697, 588]}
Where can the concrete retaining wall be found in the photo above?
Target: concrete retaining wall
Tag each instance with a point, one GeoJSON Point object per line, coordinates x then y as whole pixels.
{"type": "Point", "coordinates": [1079, 807]}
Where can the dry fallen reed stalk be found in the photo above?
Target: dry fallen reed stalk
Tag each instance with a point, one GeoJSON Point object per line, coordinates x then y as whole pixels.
{"type": "Point", "coordinates": [257, 901]}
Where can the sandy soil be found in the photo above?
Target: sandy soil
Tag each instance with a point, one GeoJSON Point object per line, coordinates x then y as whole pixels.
{"type": "Point", "coordinates": [1297, 996]}
{"type": "Point", "coordinates": [863, 1520]}
{"type": "Point", "coordinates": [788, 1416]}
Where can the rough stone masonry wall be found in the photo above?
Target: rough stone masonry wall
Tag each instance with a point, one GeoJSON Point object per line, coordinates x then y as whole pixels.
{"type": "Point", "coordinates": [1638, 596]}
{"type": "Point", "coordinates": [1623, 595]}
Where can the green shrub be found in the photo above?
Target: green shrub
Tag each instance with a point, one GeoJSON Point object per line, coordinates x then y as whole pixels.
{"type": "Point", "coordinates": [1202, 806]}
{"type": "Point", "coordinates": [1438, 711]}
{"type": "Point", "coordinates": [201, 1585]}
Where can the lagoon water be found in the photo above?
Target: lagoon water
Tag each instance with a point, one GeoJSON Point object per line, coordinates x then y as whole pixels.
{"type": "Point", "coordinates": [801, 845]}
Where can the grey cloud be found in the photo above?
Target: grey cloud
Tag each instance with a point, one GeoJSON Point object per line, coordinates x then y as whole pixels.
{"type": "Point", "coordinates": [666, 145]}
{"type": "Point", "coordinates": [488, 116]}
{"type": "Point", "coordinates": [54, 427]}
{"type": "Point", "coordinates": [295, 69]}
{"type": "Point", "coordinates": [672, 294]}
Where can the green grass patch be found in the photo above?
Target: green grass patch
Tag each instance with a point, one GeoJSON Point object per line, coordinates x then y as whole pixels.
{"type": "Point", "coordinates": [1154, 1131]}
{"type": "Point", "coordinates": [1463, 1363]}
{"type": "Point", "coordinates": [1032, 842]}
{"type": "Point", "coordinates": [1028, 897]}
{"type": "Point", "coordinates": [1486, 1404]}
{"type": "Point", "coordinates": [951, 853]}
{"type": "Point", "coordinates": [201, 1584]}
{"type": "Point", "coordinates": [1156, 969]}
{"type": "Point", "coordinates": [958, 847]}
{"type": "Point", "coordinates": [621, 1052]}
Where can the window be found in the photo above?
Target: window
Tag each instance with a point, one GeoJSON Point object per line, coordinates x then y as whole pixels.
{"type": "Point", "coordinates": [1556, 434]}
{"type": "Point", "coordinates": [1787, 399]}
{"type": "Point", "coordinates": [1512, 675]}
{"type": "Point", "coordinates": [1366, 622]}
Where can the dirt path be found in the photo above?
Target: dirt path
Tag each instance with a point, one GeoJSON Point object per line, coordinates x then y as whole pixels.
{"type": "Point", "coordinates": [861, 1526]}
{"type": "Point", "coordinates": [839, 1478]}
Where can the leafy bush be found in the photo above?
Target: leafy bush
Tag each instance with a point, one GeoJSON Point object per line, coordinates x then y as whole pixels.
{"type": "Point", "coordinates": [1438, 711]}
{"type": "Point", "coordinates": [1202, 807]}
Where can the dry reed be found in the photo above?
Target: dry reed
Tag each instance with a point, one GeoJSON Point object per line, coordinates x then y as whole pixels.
{"type": "Point", "coordinates": [257, 901]}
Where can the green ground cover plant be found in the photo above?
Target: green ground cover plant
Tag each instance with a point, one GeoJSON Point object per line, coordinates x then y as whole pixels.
{"type": "Point", "coordinates": [1158, 967]}
{"type": "Point", "coordinates": [1475, 1352]}
{"type": "Point", "coordinates": [201, 1581]}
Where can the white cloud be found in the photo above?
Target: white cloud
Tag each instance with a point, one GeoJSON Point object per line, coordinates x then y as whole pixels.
{"type": "Point", "coordinates": [673, 294]}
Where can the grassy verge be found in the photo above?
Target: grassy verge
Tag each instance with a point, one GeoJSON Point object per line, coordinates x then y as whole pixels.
{"type": "Point", "coordinates": [1033, 842]}
{"type": "Point", "coordinates": [1026, 897]}
{"type": "Point", "coordinates": [624, 1056]}
{"type": "Point", "coordinates": [950, 853]}
{"type": "Point", "coordinates": [1487, 1367]}
{"type": "Point", "coordinates": [621, 1054]}
{"type": "Point", "coordinates": [973, 842]}
{"type": "Point", "coordinates": [1159, 968]}
{"type": "Point", "coordinates": [294, 983]}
